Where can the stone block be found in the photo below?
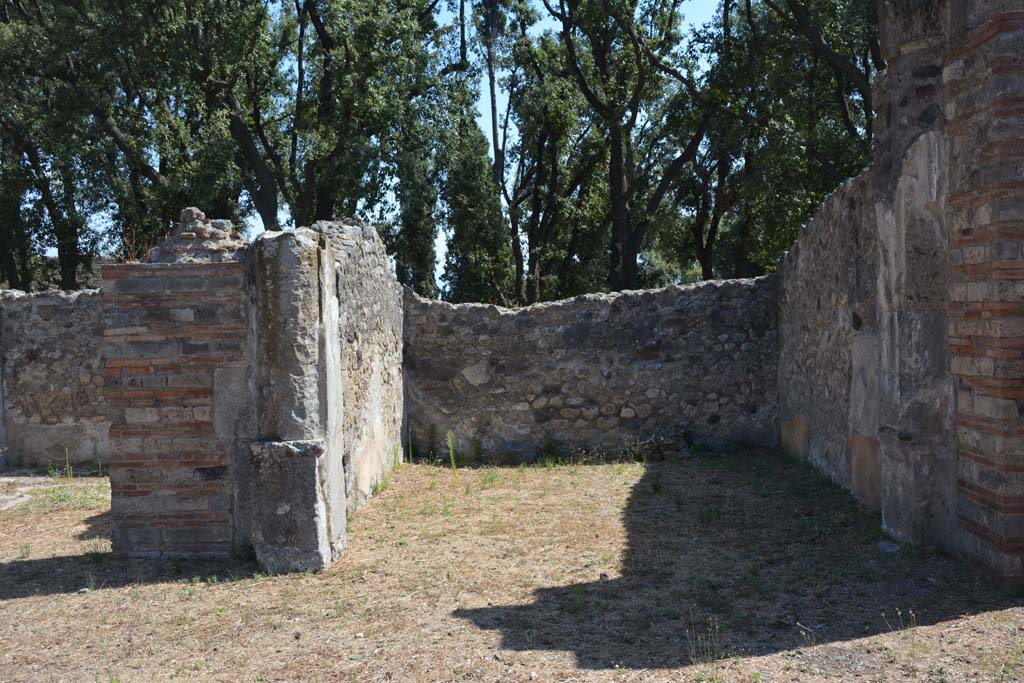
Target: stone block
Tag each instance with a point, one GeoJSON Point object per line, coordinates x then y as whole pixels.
{"type": "Point", "coordinates": [291, 529]}
{"type": "Point", "coordinates": [795, 437]}
{"type": "Point", "coordinates": [865, 465]}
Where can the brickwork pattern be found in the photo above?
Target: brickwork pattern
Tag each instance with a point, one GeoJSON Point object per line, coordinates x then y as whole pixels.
{"type": "Point", "coordinates": [985, 113]}
{"type": "Point", "coordinates": [170, 332]}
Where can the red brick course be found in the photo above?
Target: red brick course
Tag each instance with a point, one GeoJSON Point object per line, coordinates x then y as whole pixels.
{"type": "Point", "coordinates": [168, 329]}
{"type": "Point", "coordinates": [986, 311]}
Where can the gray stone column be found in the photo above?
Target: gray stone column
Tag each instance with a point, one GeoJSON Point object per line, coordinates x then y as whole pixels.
{"type": "Point", "coordinates": [298, 486]}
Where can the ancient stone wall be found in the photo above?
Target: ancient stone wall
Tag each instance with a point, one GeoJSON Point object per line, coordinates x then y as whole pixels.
{"type": "Point", "coordinates": [228, 368]}
{"type": "Point", "coordinates": [828, 324]}
{"type": "Point", "coordinates": [864, 387]}
{"type": "Point", "coordinates": [901, 334]}
{"type": "Point", "coordinates": [293, 477]}
{"type": "Point", "coordinates": [255, 395]}
{"type": "Point", "coordinates": [371, 341]}
{"type": "Point", "coordinates": [52, 409]}
{"type": "Point", "coordinates": [602, 371]}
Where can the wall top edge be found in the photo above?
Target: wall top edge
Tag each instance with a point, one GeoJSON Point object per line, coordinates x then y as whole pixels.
{"type": "Point", "coordinates": [113, 269]}
{"type": "Point", "coordinates": [70, 296]}
{"type": "Point", "coordinates": [763, 281]}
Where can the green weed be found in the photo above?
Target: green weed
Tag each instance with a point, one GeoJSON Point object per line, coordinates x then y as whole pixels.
{"type": "Point", "coordinates": [450, 439]}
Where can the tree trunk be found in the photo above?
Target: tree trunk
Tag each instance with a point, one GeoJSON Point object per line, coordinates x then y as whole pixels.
{"type": "Point", "coordinates": [517, 250]}
{"type": "Point", "coordinates": [619, 272]}
{"type": "Point", "coordinates": [630, 258]}
{"type": "Point", "coordinates": [12, 230]}
{"type": "Point", "coordinates": [326, 194]}
{"type": "Point", "coordinates": [533, 283]}
{"type": "Point", "coordinates": [10, 266]}
{"type": "Point", "coordinates": [68, 256]}
{"type": "Point", "coordinates": [704, 257]}
{"type": "Point", "coordinates": [261, 185]}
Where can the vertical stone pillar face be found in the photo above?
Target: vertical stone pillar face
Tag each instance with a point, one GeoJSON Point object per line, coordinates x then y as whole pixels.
{"type": "Point", "coordinates": [984, 109]}
{"type": "Point", "coordinates": [297, 483]}
{"type": "Point", "coordinates": [917, 449]}
{"type": "Point", "coordinates": [174, 344]}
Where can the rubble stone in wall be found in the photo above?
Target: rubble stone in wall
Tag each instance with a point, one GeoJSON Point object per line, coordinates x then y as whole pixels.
{"type": "Point", "coordinates": [51, 379]}
{"type": "Point", "coordinates": [828, 306]}
{"type": "Point", "coordinates": [197, 239]}
{"type": "Point", "coordinates": [693, 363]}
{"type": "Point", "coordinates": [371, 339]}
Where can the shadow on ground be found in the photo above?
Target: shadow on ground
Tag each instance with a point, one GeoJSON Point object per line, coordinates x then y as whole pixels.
{"type": "Point", "coordinates": [98, 526]}
{"type": "Point", "coordinates": [99, 570]}
{"type": "Point", "coordinates": [743, 554]}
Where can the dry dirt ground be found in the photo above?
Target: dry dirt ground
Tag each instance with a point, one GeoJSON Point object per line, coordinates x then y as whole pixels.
{"type": "Point", "coordinates": [739, 567]}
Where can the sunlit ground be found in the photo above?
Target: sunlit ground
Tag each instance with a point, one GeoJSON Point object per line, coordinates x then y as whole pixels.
{"type": "Point", "coordinates": [740, 567]}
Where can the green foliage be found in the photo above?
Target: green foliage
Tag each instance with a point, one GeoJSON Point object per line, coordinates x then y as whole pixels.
{"type": "Point", "coordinates": [450, 438]}
{"type": "Point", "coordinates": [625, 148]}
{"type": "Point", "coordinates": [433, 452]}
{"type": "Point", "coordinates": [478, 266]}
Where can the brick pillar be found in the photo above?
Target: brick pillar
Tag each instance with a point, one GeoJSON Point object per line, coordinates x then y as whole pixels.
{"type": "Point", "coordinates": [174, 344]}
{"type": "Point", "coordinates": [984, 82]}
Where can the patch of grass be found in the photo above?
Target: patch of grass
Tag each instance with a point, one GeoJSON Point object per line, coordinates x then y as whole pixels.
{"type": "Point", "coordinates": [97, 548]}
{"type": "Point", "coordinates": [55, 471]}
{"type": "Point", "coordinates": [382, 484]}
{"type": "Point", "coordinates": [707, 516]}
{"type": "Point", "coordinates": [576, 605]}
{"type": "Point", "coordinates": [433, 452]}
{"type": "Point", "coordinates": [704, 641]}
{"type": "Point", "coordinates": [69, 494]}
{"type": "Point", "coordinates": [905, 624]}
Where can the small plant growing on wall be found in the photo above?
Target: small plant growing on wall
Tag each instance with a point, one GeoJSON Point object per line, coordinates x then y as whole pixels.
{"type": "Point", "coordinates": [549, 452]}
{"type": "Point", "coordinates": [450, 438]}
{"type": "Point", "coordinates": [432, 450]}
{"type": "Point", "coordinates": [477, 449]}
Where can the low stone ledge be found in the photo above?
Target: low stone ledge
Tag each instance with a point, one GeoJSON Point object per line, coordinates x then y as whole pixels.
{"type": "Point", "coordinates": [290, 529]}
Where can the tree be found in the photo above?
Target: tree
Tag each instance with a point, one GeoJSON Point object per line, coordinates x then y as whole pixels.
{"type": "Point", "coordinates": [478, 265]}
{"type": "Point", "coordinates": [844, 35]}
{"type": "Point", "coordinates": [16, 248]}
{"type": "Point", "coordinates": [628, 150]}
{"type": "Point", "coordinates": [608, 50]}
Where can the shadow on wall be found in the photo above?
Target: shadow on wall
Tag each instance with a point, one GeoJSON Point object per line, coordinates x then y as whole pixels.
{"type": "Point", "coordinates": [739, 556]}
{"type": "Point", "coordinates": [99, 570]}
